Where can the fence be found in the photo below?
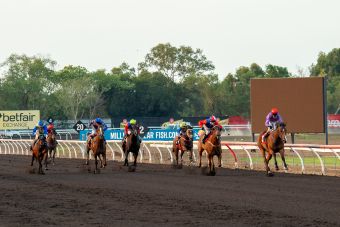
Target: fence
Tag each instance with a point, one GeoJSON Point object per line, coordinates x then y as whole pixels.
{"type": "Point", "coordinates": [301, 158]}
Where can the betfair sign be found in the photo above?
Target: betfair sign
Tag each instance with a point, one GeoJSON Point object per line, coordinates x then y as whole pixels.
{"type": "Point", "coordinates": [21, 119]}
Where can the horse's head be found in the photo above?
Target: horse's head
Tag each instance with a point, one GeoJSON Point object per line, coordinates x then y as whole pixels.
{"type": "Point", "coordinates": [189, 132]}
{"type": "Point", "coordinates": [134, 130]}
{"type": "Point", "coordinates": [281, 129]}
{"type": "Point", "coordinates": [100, 131]}
{"type": "Point", "coordinates": [216, 130]}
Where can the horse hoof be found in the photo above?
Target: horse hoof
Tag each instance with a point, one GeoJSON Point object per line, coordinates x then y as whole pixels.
{"type": "Point", "coordinates": [219, 166]}
{"type": "Point", "coordinates": [270, 174]}
{"type": "Point", "coordinates": [211, 173]}
{"type": "Point", "coordinates": [96, 171]}
{"type": "Point", "coordinates": [46, 168]}
{"type": "Point", "coordinates": [131, 169]}
{"type": "Point", "coordinates": [276, 168]}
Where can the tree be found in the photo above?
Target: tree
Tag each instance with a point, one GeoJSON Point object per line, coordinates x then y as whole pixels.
{"type": "Point", "coordinates": [154, 95]}
{"type": "Point", "coordinates": [176, 62]}
{"type": "Point", "coordinates": [273, 71]}
{"type": "Point", "coordinates": [25, 80]}
{"type": "Point", "coordinates": [329, 65]}
{"type": "Point", "coordinates": [74, 95]}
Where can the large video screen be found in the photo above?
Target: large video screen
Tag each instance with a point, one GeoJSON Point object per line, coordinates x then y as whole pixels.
{"type": "Point", "coordinates": [300, 102]}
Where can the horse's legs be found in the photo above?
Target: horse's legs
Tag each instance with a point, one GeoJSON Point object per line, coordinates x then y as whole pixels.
{"type": "Point", "coordinates": [176, 155]}
{"type": "Point", "coordinates": [267, 159]}
{"type": "Point", "coordinates": [40, 171]}
{"type": "Point", "coordinates": [191, 156]}
{"type": "Point", "coordinates": [104, 159]}
{"type": "Point", "coordinates": [100, 160]}
{"type": "Point", "coordinates": [53, 154]}
{"type": "Point", "coordinates": [282, 154]}
{"type": "Point", "coordinates": [126, 163]}
{"type": "Point", "coordinates": [87, 155]}
{"type": "Point", "coordinates": [213, 165]}
{"type": "Point", "coordinates": [96, 162]}
{"type": "Point", "coordinates": [135, 155]}
{"type": "Point", "coordinates": [32, 159]}
{"type": "Point", "coordinates": [210, 164]}
{"type": "Point", "coordinates": [276, 166]}
{"type": "Point", "coordinates": [182, 153]}
{"type": "Point", "coordinates": [219, 159]}
{"type": "Point", "coordinates": [104, 155]}
{"type": "Point", "coordinates": [45, 159]}
{"type": "Point", "coordinates": [200, 157]}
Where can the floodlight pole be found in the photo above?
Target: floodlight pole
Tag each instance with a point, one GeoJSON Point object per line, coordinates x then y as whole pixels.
{"type": "Point", "coordinates": [325, 107]}
{"type": "Point", "coordinates": [292, 136]}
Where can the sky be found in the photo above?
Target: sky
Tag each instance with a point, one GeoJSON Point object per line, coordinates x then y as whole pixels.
{"type": "Point", "coordinates": [102, 34]}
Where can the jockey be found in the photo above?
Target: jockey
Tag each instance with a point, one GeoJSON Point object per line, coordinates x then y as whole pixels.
{"type": "Point", "coordinates": [272, 118]}
{"type": "Point", "coordinates": [95, 124]}
{"type": "Point", "coordinates": [181, 131]}
{"type": "Point", "coordinates": [128, 126]}
{"type": "Point", "coordinates": [39, 129]}
{"type": "Point", "coordinates": [207, 124]}
{"type": "Point", "coordinates": [50, 128]}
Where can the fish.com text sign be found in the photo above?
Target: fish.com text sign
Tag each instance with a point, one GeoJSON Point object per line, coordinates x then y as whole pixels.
{"type": "Point", "coordinates": [151, 135]}
{"type": "Point", "coordinates": [18, 119]}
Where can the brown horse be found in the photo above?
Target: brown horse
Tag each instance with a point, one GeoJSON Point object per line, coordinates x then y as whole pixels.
{"type": "Point", "coordinates": [51, 145]}
{"type": "Point", "coordinates": [132, 145]}
{"type": "Point", "coordinates": [185, 144]}
{"type": "Point", "coordinates": [39, 152]}
{"type": "Point", "coordinates": [212, 146]}
{"type": "Point", "coordinates": [98, 148]}
{"type": "Point", "coordinates": [274, 144]}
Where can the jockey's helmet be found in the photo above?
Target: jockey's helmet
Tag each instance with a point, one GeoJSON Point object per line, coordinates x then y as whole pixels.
{"type": "Point", "coordinates": [275, 111]}
{"type": "Point", "coordinates": [133, 121]}
{"type": "Point", "coordinates": [182, 124]}
{"type": "Point", "coordinates": [98, 120]}
{"type": "Point", "coordinates": [212, 118]}
{"type": "Point", "coordinates": [40, 123]}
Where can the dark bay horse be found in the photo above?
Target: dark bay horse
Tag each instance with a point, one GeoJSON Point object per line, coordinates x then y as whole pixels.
{"type": "Point", "coordinates": [132, 145]}
{"type": "Point", "coordinates": [212, 146]}
{"type": "Point", "coordinates": [51, 145]}
{"type": "Point", "coordinates": [98, 148]}
{"type": "Point", "coordinates": [39, 153]}
{"type": "Point", "coordinates": [185, 144]}
{"type": "Point", "coordinates": [274, 144]}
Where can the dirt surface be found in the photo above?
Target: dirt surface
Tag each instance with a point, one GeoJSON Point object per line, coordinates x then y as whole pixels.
{"type": "Point", "coordinates": [159, 195]}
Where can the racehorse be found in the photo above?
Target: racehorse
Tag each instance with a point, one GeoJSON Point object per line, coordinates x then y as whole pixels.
{"type": "Point", "coordinates": [185, 144]}
{"type": "Point", "coordinates": [132, 145]}
{"type": "Point", "coordinates": [98, 148]}
{"type": "Point", "coordinates": [51, 145]}
{"type": "Point", "coordinates": [274, 144]}
{"type": "Point", "coordinates": [212, 146]}
{"type": "Point", "coordinates": [39, 152]}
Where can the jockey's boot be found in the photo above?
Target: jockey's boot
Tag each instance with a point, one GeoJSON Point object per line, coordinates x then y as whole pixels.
{"type": "Point", "coordinates": [205, 138]}
{"type": "Point", "coordinates": [264, 136]}
{"type": "Point", "coordinates": [178, 139]}
{"type": "Point", "coordinates": [89, 142]}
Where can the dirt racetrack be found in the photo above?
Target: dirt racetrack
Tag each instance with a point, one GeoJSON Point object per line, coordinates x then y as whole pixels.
{"type": "Point", "coordinates": [158, 195]}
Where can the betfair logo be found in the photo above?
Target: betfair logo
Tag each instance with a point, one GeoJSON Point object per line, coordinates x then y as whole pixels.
{"type": "Point", "coordinates": [16, 117]}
